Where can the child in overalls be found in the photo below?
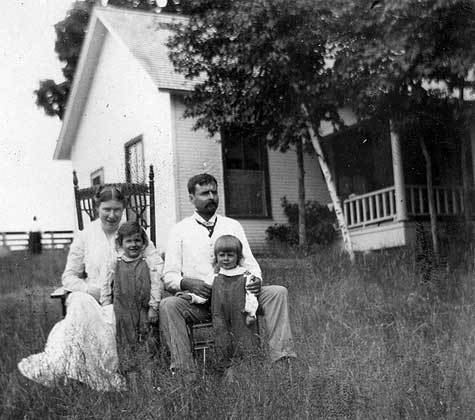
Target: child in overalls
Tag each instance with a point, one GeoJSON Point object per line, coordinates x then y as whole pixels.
{"type": "Point", "coordinates": [135, 292]}
{"type": "Point", "coordinates": [233, 308]}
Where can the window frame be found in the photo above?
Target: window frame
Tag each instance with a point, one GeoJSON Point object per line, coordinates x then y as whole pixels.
{"type": "Point", "coordinates": [127, 145]}
{"type": "Point", "coordinates": [265, 168]}
{"type": "Point", "coordinates": [97, 173]}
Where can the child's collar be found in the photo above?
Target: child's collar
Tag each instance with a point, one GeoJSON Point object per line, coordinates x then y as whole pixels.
{"type": "Point", "coordinates": [236, 271]}
{"type": "Point", "coordinates": [125, 258]}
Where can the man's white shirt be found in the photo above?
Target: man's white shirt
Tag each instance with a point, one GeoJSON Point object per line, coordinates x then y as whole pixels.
{"type": "Point", "coordinates": [190, 249]}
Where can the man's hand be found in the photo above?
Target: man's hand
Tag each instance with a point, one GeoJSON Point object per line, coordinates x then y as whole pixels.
{"type": "Point", "coordinates": [196, 286]}
{"type": "Point", "coordinates": [254, 286]}
{"type": "Point", "coordinates": [152, 316]}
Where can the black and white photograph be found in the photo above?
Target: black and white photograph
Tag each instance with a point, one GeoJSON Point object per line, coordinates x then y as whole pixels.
{"type": "Point", "coordinates": [237, 209]}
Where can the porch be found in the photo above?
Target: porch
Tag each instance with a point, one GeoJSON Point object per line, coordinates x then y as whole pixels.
{"type": "Point", "coordinates": [380, 178]}
{"type": "Point", "coordinates": [374, 222]}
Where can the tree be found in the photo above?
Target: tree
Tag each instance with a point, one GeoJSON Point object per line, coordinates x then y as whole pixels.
{"type": "Point", "coordinates": [265, 67]}
{"type": "Point", "coordinates": [404, 58]}
{"type": "Point", "coordinates": [70, 34]}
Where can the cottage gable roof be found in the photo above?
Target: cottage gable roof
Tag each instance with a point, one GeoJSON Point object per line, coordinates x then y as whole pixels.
{"type": "Point", "coordinates": [145, 35]}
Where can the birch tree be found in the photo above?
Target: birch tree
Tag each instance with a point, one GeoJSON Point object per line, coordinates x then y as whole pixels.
{"type": "Point", "coordinates": [264, 66]}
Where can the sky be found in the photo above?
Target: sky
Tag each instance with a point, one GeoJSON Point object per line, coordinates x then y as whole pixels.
{"type": "Point", "coordinates": [31, 182]}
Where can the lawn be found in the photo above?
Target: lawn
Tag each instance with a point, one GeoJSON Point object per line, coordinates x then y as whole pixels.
{"type": "Point", "coordinates": [376, 339]}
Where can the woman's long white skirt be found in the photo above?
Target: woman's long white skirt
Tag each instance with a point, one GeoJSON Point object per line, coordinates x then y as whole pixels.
{"type": "Point", "coordinates": [82, 347]}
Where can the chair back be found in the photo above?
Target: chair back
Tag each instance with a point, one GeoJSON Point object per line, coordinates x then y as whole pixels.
{"type": "Point", "coordinates": [140, 202]}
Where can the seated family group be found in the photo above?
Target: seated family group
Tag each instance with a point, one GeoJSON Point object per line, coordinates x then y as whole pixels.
{"type": "Point", "coordinates": [119, 284]}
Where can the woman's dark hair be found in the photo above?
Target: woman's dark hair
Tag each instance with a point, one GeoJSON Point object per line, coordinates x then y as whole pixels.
{"type": "Point", "coordinates": [228, 243]}
{"type": "Point", "coordinates": [130, 228]}
{"type": "Point", "coordinates": [200, 179]}
{"type": "Point", "coordinates": [108, 192]}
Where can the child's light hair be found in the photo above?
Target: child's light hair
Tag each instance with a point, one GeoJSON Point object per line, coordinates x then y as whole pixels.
{"type": "Point", "coordinates": [228, 243]}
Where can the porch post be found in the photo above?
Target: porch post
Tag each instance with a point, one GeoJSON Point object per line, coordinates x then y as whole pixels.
{"type": "Point", "coordinates": [398, 173]}
{"type": "Point", "coordinates": [472, 145]}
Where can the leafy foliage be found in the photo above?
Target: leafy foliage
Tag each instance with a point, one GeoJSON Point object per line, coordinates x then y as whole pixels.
{"type": "Point", "coordinates": [261, 60]}
{"type": "Point", "coordinates": [70, 34]}
{"type": "Point", "coordinates": [389, 54]}
{"type": "Point", "coordinates": [319, 219]}
{"type": "Point", "coordinates": [408, 60]}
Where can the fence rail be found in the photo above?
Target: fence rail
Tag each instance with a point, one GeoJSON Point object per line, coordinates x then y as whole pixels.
{"type": "Point", "coordinates": [50, 239]}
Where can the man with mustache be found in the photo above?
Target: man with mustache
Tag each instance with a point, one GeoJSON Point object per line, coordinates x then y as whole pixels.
{"type": "Point", "coordinates": [188, 268]}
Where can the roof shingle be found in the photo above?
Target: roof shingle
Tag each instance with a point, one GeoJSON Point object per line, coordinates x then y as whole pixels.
{"type": "Point", "coordinates": [145, 35]}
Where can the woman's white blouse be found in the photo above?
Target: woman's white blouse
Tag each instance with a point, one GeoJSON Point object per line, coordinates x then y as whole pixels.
{"type": "Point", "coordinates": [93, 252]}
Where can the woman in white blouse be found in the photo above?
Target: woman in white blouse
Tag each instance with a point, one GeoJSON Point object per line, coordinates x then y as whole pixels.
{"type": "Point", "coordinates": [82, 346]}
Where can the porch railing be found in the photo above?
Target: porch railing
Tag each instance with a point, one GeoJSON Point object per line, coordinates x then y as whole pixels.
{"type": "Point", "coordinates": [373, 207]}
{"type": "Point", "coordinates": [380, 205]}
{"type": "Point", "coordinates": [448, 201]}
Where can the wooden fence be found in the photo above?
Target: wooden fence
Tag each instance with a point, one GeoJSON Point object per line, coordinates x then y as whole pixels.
{"type": "Point", "coordinates": [51, 239]}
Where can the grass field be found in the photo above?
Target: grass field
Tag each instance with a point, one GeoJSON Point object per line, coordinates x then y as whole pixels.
{"type": "Point", "coordinates": [374, 341]}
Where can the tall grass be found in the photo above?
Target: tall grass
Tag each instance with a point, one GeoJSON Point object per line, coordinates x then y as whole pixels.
{"type": "Point", "coordinates": [374, 340]}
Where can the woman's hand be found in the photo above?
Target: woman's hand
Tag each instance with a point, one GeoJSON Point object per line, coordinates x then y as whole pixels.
{"type": "Point", "coordinates": [196, 286]}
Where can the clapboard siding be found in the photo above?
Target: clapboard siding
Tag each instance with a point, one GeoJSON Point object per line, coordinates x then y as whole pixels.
{"type": "Point", "coordinates": [196, 152]}
{"type": "Point", "coordinates": [283, 172]}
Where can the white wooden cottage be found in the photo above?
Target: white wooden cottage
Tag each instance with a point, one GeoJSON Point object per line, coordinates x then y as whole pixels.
{"type": "Point", "coordinates": [125, 112]}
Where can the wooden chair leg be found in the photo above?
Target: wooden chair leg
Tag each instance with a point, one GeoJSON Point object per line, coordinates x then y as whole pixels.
{"type": "Point", "coordinates": [63, 305]}
{"type": "Point", "coordinates": [201, 339]}
{"type": "Point", "coordinates": [61, 294]}
{"type": "Point", "coordinates": [204, 362]}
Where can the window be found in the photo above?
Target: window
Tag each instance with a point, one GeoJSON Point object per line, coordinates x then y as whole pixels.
{"type": "Point", "coordinates": [246, 177]}
{"type": "Point", "coordinates": [134, 161]}
{"type": "Point", "coordinates": [97, 177]}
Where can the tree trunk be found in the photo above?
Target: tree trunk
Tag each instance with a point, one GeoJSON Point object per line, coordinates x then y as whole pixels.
{"type": "Point", "coordinates": [465, 177]}
{"type": "Point", "coordinates": [430, 198]}
{"type": "Point", "coordinates": [331, 186]}
{"type": "Point", "coordinates": [464, 138]}
{"type": "Point", "coordinates": [301, 192]}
